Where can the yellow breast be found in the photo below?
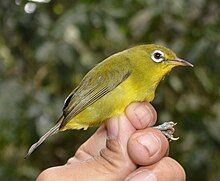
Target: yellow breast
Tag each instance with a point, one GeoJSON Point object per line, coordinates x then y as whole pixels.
{"type": "Point", "coordinates": [112, 104]}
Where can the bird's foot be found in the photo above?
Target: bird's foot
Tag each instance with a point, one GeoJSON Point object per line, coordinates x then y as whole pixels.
{"type": "Point", "coordinates": [167, 129]}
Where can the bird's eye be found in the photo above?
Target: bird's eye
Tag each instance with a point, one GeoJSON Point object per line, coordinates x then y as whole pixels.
{"type": "Point", "coordinates": [157, 56]}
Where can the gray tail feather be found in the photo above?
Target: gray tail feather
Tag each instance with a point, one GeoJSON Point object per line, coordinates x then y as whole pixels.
{"type": "Point", "coordinates": [52, 131]}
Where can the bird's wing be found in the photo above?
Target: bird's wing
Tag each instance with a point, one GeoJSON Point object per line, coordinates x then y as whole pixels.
{"type": "Point", "coordinates": [95, 85]}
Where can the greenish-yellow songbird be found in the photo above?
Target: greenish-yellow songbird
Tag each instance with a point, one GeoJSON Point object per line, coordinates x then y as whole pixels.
{"type": "Point", "coordinates": [125, 77]}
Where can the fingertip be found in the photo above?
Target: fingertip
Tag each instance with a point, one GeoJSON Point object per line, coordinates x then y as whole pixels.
{"type": "Point", "coordinates": [177, 171]}
{"type": "Point", "coordinates": [141, 115]}
{"type": "Point", "coordinates": [147, 146]}
{"type": "Point", "coordinates": [166, 169]}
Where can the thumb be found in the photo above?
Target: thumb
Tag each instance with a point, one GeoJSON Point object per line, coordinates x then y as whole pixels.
{"type": "Point", "coordinates": [119, 130]}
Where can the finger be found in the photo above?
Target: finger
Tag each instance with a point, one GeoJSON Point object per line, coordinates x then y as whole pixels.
{"type": "Point", "coordinates": [147, 146]}
{"type": "Point", "coordinates": [166, 169]}
{"type": "Point", "coordinates": [141, 115]}
{"type": "Point", "coordinates": [119, 130]}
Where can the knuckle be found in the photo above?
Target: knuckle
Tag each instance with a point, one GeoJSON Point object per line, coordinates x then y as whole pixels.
{"type": "Point", "coordinates": [113, 153]}
{"type": "Point", "coordinates": [82, 154]}
{"type": "Point", "coordinates": [113, 158]}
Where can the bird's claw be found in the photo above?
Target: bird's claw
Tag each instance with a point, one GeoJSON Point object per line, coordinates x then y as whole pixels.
{"type": "Point", "coordinates": [168, 130]}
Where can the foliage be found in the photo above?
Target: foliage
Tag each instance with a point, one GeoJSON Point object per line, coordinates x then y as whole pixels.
{"type": "Point", "coordinates": [44, 53]}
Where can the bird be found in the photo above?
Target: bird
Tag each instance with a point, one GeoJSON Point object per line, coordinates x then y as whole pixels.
{"type": "Point", "coordinates": [107, 89]}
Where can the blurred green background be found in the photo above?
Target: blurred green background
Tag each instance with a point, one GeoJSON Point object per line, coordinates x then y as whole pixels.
{"type": "Point", "coordinates": [46, 49]}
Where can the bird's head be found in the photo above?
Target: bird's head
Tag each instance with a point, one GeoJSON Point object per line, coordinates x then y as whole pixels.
{"type": "Point", "coordinates": [153, 62]}
{"type": "Point", "coordinates": [158, 59]}
{"type": "Point", "coordinates": [164, 57]}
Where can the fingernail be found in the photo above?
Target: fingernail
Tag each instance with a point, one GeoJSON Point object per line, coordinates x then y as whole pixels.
{"type": "Point", "coordinates": [143, 114]}
{"type": "Point", "coordinates": [150, 142]}
{"type": "Point", "coordinates": [143, 175]}
{"type": "Point", "coordinates": [112, 128]}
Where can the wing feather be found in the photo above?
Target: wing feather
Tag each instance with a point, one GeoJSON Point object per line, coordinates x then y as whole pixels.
{"type": "Point", "coordinates": [92, 88]}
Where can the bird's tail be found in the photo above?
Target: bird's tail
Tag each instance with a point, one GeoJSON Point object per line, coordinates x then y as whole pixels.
{"type": "Point", "coordinates": [52, 131]}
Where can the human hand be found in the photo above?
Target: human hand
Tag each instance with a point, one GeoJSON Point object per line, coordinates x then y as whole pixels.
{"type": "Point", "coordinates": [125, 148]}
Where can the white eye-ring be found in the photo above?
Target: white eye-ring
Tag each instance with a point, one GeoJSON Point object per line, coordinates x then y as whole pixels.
{"type": "Point", "coordinates": [157, 56]}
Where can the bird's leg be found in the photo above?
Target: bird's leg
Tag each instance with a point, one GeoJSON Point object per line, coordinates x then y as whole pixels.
{"type": "Point", "coordinates": [167, 129]}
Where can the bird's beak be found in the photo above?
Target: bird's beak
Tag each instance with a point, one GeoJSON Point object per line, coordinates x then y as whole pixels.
{"type": "Point", "coordinates": [181, 62]}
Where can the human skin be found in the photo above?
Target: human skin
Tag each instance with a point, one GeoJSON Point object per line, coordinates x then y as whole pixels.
{"type": "Point", "coordinates": [125, 148]}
